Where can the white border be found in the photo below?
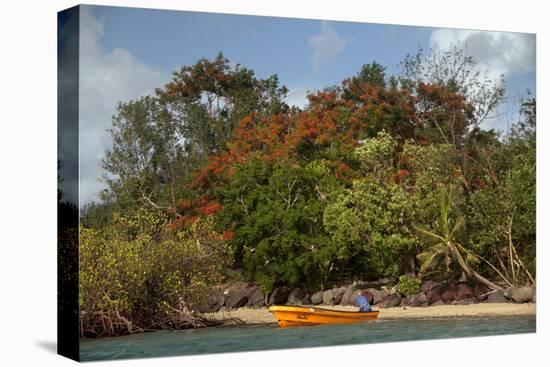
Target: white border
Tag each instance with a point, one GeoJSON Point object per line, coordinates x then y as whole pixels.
{"type": "Point", "coordinates": [28, 180]}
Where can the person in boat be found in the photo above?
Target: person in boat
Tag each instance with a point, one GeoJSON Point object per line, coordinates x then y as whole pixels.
{"type": "Point", "coordinates": [364, 300]}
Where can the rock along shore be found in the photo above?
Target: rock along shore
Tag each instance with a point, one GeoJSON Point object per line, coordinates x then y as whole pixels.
{"type": "Point", "coordinates": [247, 303]}
{"type": "Point", "coordinates": [253, 316]}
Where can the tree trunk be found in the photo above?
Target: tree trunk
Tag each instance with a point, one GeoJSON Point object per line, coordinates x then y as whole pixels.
{"type": "Point", "coordinates": [412, 266]}
{"type": "Point", "coordinates": [470, 271]}
{"type": "Point", "coordinates": [485, 281]}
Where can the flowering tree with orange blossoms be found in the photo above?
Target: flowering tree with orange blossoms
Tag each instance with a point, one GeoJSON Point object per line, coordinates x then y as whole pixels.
{"type": "Point", "coordinates": [316, 196]}
{"type": "Point", "coordinates": [290, 166]}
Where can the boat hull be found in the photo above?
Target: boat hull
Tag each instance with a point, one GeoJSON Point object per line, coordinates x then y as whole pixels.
{"type": "Point", "coordinates": [289, 316]}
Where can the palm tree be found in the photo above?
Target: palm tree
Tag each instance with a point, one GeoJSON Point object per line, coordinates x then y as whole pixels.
{"type": "Point", "coordinates": [445, 246]}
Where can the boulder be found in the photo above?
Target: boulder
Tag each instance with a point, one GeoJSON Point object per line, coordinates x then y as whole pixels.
{"type": "Point", "coordinates": [338, 293]}
{"type": "Point", "coordinates": [327, 297]}
{"type": "Point", "coordinates": [237, 298]}
{"type": "Point", "coordinates": [298, 297]}
{"type": "Point", "coordinates": [449, 292]}
{"type": "Point", "coordinates": [422, 300]}
{"type": "Point", "coordinates": [348, 298]}
{"type": "Point", "coordinates": [508, 292]}
{"type": "Point", "coordinates": [380, 295]}
{"type": "Point", "coordinates": [393, 300]}
{"type": "Point", "coordinates": [213, 303]}
{"type": "Point", "coordinates": [463, 291]}
{"type": "Point", "coordinates": [353, 296]}
{"type": "Point", "coordinates": [279, 296]}
{"type": "Point", "coordinates": [433, 297]}
{"type": "Point", "coordinates": [256, 298]}
{"type": "Point", "coordinates": [428, 285]}
{"type": "Point", "coordinates": [496, 297]}
{"type": "Point", "coordinates": [333, 296]}
{"type": "Point", "coordinates": [434, 293]}
{"type": "Point", "coordinates": [415, 300]}
{"type": "Point", "coordinates": [370, 297]}
{"type": "Point", "coordinates": [438, 303]}
{"type": "Point", "coordinates": [520, 294]}
{"type": "Point", "coordinates": [317, 298]}
{"type": "Point", "coordinates": [481, 291]}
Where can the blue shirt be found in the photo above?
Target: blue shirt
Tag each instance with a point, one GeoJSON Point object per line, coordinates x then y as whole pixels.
{"type": "Point", "coordinates": [363, 303]}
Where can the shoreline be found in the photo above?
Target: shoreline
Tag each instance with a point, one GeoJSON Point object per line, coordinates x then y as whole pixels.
{"type": "Point", "coordinates": [245, 316]}
{"type": "Point", "coordinates": [259, 316]}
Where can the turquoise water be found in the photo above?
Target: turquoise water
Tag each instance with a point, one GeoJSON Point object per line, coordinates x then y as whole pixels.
{"type": "Point", "coordinates": [249, 338]}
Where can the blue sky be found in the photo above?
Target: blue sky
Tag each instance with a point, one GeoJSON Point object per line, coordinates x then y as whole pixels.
{"type": "Point", "coordinates": [167, 40]}
{"type": "Point", "coordinates": [127, 52]}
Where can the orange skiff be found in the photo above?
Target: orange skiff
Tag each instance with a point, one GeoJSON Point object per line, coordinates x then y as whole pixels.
{"type": "Point", "coordinates": [288, 316]}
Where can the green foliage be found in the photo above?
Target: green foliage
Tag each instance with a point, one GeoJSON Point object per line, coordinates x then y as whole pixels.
{"type": "Point", "coordinates": [377, 177]}
{"type": "Point", "coordinates": [96, 215]}
{"type": "Point", "coordinates": [377, 155]}
{"type": "Point", "coordinates": [371, 222]}
{"type": "Point", "coordinates": [374, 221]}
{"type": "Point", "coordinates": [458, 73]}
{"type": "Point", "coordinates": [146, 158]}
{"type": "Point", "coordinates": [208, 99]}
{"type": "Point", "coordinates": [276, 213]}
{"type": "Point", "coordinates": [266, 282]}
{"type": "Point", "coordinates": [445, 244]}
{"type": "Point", "coordinates": [372, 225]}
{"type": "Point", "coordinates": [370, 75]}
{"type": "Point", "coordinates": [408, 285]}
{"type": "Point", "coordinates": [503, 210]}
{"type": "Point", "coordinates": [134, 274]}
{"type": "Point", "coordinates": [441, 247]}
{"type": "Point", "coordinates": [158, 140]}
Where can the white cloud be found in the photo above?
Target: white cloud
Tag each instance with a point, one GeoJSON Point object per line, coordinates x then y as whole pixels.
{"type": "Point", "coordinates": [506, 114]}
{"type": "Point", "coordinates": [326, 45]}
{"type": "Point", "coordinates": [297, 96]}
{"type": "Point", "coordinates": [496, 52]}
{"type": "Point", "coordinates": [106, 78]}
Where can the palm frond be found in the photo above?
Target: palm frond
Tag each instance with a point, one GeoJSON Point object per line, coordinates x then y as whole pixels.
{"type": "Point", "coordinates": [428, 257]}
{"type": "Point", "coordinates": [458, 226]}
{"type": "Point", "coordinates": [443, 211]}
{"type": "Point", "coordinates": [430, 234]}
{"type": "Point", "coordinates": [471, 257]}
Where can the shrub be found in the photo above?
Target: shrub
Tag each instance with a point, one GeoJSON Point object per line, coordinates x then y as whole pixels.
{"type": "Point", "coordinates": [135, 274]}
{"type": "Point", "coordinates": [407, 285]}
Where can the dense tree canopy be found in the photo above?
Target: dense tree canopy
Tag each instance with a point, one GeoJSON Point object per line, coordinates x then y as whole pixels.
{"type": "Point", "coordinates": [377, 176]}
{"type": "Point", "coordinates": [207, 101]}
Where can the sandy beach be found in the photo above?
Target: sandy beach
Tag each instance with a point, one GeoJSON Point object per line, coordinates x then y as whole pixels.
{"type": "Point", "coordinates": [262, 315]}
